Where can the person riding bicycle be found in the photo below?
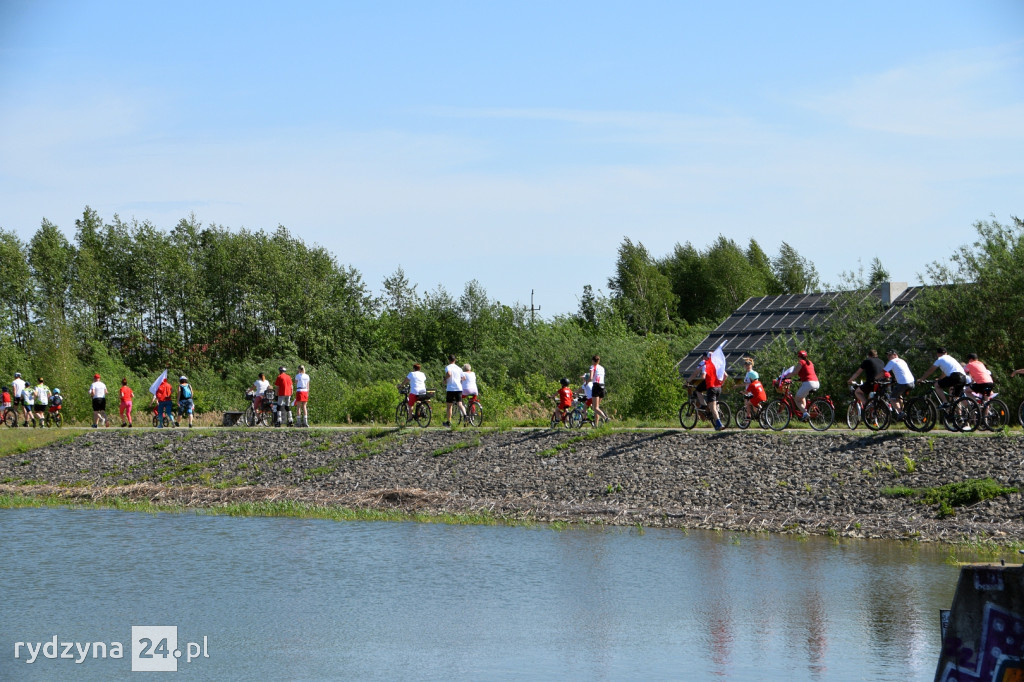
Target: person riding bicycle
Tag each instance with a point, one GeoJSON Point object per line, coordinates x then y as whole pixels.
{"type": "Point", "coordinates": [753, 390]}
{"type": "Point", "coordinates": [873, 370]}
{"type": "Point", "coordinates": [808, 382]}
{"type": "Point", "coordinates": [5, 400]}
{"type": "Point", "coordinates": [953, 375]}
{"type": "Point", "coordinates": [186, 405]}
{"type": "Point", "coordinates": [469, 388]}
{"type": "Point", "coordinates": [709, 387]}
{"type": "Point", "coordinates": [17, 388]}
{"type": "Point", "coordinates": [259, 390]}
{"type": "Point", "coordinates": [564, 402]}
{"type": "Point", "coordinates": [56, 401]}
{"type": "Point", "coordinates": [42, 403]}
{"type": "Point", "coordinates": [904, 380]}
{"type": "Point", "coordinates": [981, 379]}
{"type": "Point", "coordinates": [416, 380]}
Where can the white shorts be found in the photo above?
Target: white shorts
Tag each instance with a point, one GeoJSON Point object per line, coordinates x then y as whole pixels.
{"type": "Point", "coordinates": [806, 388]}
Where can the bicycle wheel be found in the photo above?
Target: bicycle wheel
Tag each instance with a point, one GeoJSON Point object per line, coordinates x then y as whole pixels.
{"type": "Point", "coordinates": [688, 415]}
{"type": "Point", "coordinates": [995, 415]}
{"type": "Point", "coordinates": [575, 418]}
{"type": "Point", "coordinates": [58, 419]}
{"type": "Point", "coordinates": [401, 414]}
{"type": "Point", "coordinates": [742, 418]}
{"type": "Point", "coordinates": [249, 416]}
{"type": "Point", "coordinates": [965, 415]}
{"type": "Point", "coordinates": [476, 414]}
{"type": "Point", "coordinates": [822, 415]}
{"type": "Point", "coordinates": [422, 414]}
{"type": "Point", "coordinates": [10, 419]}
{"type": "Point", "coordinates": [876, 415]}
{"type": "Point", "coordinates": [920, 414]}
{"type": "Point", "coordinates": [777, 415]}
{"type": "Point", "coordinates": [724, 414]}
{"type": "Point", "coordinates": [853, 415]}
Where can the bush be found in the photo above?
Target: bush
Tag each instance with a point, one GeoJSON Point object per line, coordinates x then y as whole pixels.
{"type": "Point", "coordinates": [374, 403]}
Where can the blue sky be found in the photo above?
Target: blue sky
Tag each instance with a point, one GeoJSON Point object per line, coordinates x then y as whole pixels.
{"type": "Point", "coordinates": [518, 143]}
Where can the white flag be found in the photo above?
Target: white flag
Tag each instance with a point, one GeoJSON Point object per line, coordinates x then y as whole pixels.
{"type": "Point", "coordinates": [787, 372]}
{"type": "Point", "coordinates": [718, 360]}
{"type": "Point", "coordinates": [159, 380]}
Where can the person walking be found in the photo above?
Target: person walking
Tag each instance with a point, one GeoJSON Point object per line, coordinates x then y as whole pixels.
{"type": "Point", "coordinates": [164, 406]}
{"type": "Point", "coordinates": [17, 388]}
{"type": "Point", "coordinates": [125, 406]}
{"type": "Point", "coordinates": [302, 398]}
{"type": "Point", "coordinates": [283, 384]}
{"type": "Point", "coordinates": [186, 405]}
{"type": "Point", "coordinates": [98, 393]}
{"type": "Point", "coordinates": [453, 396]}
{"type": "Point", "coordinates": [597, 390]}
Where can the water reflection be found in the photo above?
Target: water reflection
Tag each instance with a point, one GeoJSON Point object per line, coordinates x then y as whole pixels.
{"type": "Point", "coordinates": [291, 598]}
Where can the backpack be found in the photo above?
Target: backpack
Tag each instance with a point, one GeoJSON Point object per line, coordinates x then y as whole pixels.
{"type": "Point", "coordinates": [186, 392]}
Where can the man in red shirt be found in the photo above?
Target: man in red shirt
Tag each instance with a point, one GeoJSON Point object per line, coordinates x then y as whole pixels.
{"type": "Point", "coordinates": [164, 404]}
{"type": "Point", "coordinates": [283, 383]}
{"type": "Point", "coordinates": [714, 390]}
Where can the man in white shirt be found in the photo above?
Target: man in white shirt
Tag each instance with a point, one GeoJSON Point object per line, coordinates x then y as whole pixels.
{"type": "Point", "coordinates": [953, 375]}
{"type": "Point", "coordinates": [900, 370]}
{"type": "Point", "coordinates": [17, 388]}
{"type": "Point", "coordinates": [302, 397]}
{"type": "Point", "coordinates": [453, 386]}
{"type": "Point", "coordinates": [98, 392]}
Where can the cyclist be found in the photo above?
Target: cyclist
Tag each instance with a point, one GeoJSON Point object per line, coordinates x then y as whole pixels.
{"type": "Point", "coordinates": [597, 390]}
{"type": "Point", "coordinates": [899, 369]}
{"type": "Point", "coordinates": [5, 400]}
{"type": "Point", "coordinates": [564, 402]}
{"type": "Point", "coordinates": [283, 384]}
{"type": "Point", "coordinates": [953, 375]}
{"type": "Point", "coordinates": [469, 388]}
{"type": "Point", "coordinates": [453, 386]}
{"type": "Point", "coordinates": [17, 387]}
{"type": "Point", "coordinates": [753, 389]}
{"type": "Point", "coordinates": [981, 379]}
{"type": "Point", "coordinates": [124, 408]}
{"type": "Point", "coordinates": [259, 389]}
{"type": "Point", "coordinates": [873, 370]}
{"type": "Point", "coordinates": [808, 382]}
{"type": "Point", "coordinates": [42, 403]}
{"type": "Point", "coordinates": [186, 405]}
{"type": "Point", "coordinates": [98, 392]}
{"type": "Point", "coordinates": [56, 401]}
{"type": "Point", "coordinates": [587, 388]}
{"type": "Point", "coordinates": [416, 380]}
{"type": "Point", "coordinates": [302, 397]}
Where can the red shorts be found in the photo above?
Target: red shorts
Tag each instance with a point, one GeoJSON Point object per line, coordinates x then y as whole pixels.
{"type": "Point", "coordinates": [590, 401]}
{"type": "Point", "coordinates": [302, 396]}
{"type": "Point", "coordinates": [412, 399]}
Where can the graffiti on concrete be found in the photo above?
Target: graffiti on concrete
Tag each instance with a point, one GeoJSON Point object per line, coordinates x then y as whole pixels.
{"type": "Point", "coordinates": [998, 658]}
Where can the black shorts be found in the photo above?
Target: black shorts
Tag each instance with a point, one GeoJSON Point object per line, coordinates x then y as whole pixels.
{"type": "Point", "coordinates": [17, 400]}
{"type": "Point", "coordinates": [900, 390]}
{"type": "Point", "coordinates": [39, 408]}
{"type": "Point", "coordinates": [99, 404]}
{"type": "Point", "coordinates": [982, 389]}
{"type": "Point", "coordinates": [597, 391]}
{"type": "Point", "coordinates": [954, 380]}
{"type": "Point", "coordinates": [712, 394]}
{"type": "Point", "coordinates": [453, 397]}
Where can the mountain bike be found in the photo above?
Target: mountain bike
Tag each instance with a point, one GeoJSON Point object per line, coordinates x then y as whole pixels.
{"type": "Point", "coordinates": [957, 414]}
{"type": "Point", "coordinates": [854, 411]}
{"type": "Point", "coordinates": [420, 412]}
{"type": "Point", "coordinates": [880, 409]}
{"type": "Point", "coordinates": [582, 414]}
{"type": "Point", "coordinates": [994, 412]}
{"type": "Point", "coordinates": [474, 413]}
{"type": "Point", "coordinates": [10, 416]}
{"type": "Point", "coordinates": [264, 415]}
{"type": "Point", "coordinates": [692, 411]}
{"type": "Point", "coordinates": [779, 411]}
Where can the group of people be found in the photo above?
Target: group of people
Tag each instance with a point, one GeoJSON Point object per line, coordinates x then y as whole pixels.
{"type": "Point", "coordinates": [591, 390]}
{"type": "Point", "coordinates": [281, 396]}
{"type": "Point", "coordinates": [37, 403]}
{"type": "Point", "coordinates": [460, 382]}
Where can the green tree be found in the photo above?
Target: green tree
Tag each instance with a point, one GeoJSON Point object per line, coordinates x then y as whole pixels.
{"type": "Point", "coordinates": [796, 274]}
{"type": "Point", "coordinates": [640, 292]}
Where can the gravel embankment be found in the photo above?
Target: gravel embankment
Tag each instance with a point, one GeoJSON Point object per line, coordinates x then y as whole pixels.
{"type": "Point", "coordinates": [792, 482]}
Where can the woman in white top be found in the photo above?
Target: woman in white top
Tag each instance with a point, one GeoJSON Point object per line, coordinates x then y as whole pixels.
{"type": "Point", "coordinates": [259, 387]}
{"type": "Point", "coordinates": [468, 381]}
{"type": "Point", "coordinates": [597, 390]}
{"type": "Point", "coordinates": [417, 383]}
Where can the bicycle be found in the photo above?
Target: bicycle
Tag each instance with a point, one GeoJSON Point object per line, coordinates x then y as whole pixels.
{"type": "Point", "coordinates": [168, 422]}
{"type": "Point", "coordinates": [692, 411]}
{"type": "Point", "coordinates": [264, 416]}
{"type": "Point", "coordinates": [421, 413]}
{"type": "Point", "coordinates": [474, 413]}
{"type": "Point", "coordinates": [778, 411]}
{"type": "Point", "coordinates": [10, 417]}
{"type": "Point", "coordinates": [995, 414]}
{"type": "Point", "coordinates": [957, 414]}
{"type": "Point", "coordinates": [582, 414]}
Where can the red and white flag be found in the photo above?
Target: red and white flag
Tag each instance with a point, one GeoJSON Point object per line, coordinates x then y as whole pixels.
{"type": "Point", "coordinates": [159, 380]}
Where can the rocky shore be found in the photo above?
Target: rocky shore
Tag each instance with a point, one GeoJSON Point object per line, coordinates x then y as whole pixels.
{"type": "Point", "coordinates": [794, 482]}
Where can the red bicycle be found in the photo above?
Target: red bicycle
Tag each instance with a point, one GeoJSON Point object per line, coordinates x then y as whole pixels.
{"type": "Point", "coordinates": [474, 412]}
{"type": "Point", "coordinates": [777, 412]}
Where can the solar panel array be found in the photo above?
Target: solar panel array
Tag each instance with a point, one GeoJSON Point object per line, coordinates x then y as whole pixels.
{"type": "Point", "coordinates": [759, 320]}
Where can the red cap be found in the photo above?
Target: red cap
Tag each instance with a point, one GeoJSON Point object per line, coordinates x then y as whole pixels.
{"type": "Point", "coordinates": [802, 355]}
{"type": "Point", "coordinates": [95, 376]}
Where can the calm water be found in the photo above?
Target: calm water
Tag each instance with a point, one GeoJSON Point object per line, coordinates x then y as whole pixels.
{"type": "Point", "coordinates": [299, 599]}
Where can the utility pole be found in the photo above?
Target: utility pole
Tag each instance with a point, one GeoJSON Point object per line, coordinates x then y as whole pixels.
{"type": "Point", "coordinates": [532, 309]}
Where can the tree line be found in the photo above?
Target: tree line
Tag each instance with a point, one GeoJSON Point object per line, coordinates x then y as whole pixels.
{"type": "Point", "coordinates": [224, 304]}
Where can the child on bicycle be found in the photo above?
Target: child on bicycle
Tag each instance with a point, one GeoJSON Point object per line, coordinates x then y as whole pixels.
{"type": "Point", "coordinates": [981, 379]}
{"type": "Point", "coordinates": [753, 390]}
{"type": "Point", "coordinates": [5, 400]}
{"type": "Point", "coordinates": [564, 402]}
{"type": "Point", "coordinates": [56, 401]}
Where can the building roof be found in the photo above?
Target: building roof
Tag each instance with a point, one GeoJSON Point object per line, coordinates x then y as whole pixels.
{"type": "Point", "coordinates": [760, 319]}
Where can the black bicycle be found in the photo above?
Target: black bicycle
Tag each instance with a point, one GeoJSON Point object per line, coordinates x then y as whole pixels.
{"type": "Point", "coordinates": [958, 413]}
{"type": "Point", "coordinates": [420, 412]}
{"type": "Point", "coordinates": [692, 411]}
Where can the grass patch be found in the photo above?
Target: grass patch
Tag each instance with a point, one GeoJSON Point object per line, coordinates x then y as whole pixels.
{"type": "Point", "coordinates": [21, 439]}
{"type": "Point", "coordinates": [953, 494]}
{"type": "Point", "coordinates": [593, 434]}
{"type": "Point", "coordinates": [461, 445]}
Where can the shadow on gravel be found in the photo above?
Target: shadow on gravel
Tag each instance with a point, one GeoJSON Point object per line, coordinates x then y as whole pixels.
{"type": "Point", "coordinates": [636, 444]}
{"type": "Point", "coordinates": [867, 441]}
